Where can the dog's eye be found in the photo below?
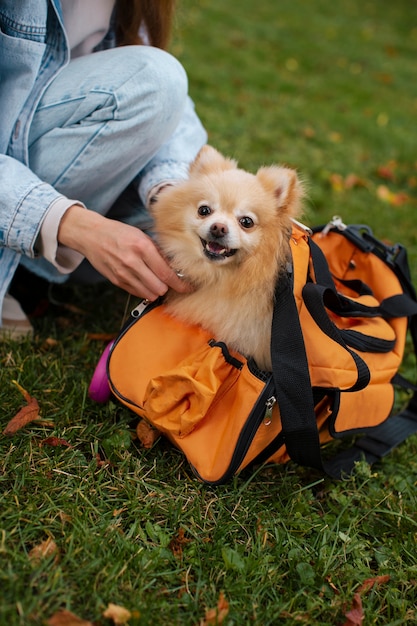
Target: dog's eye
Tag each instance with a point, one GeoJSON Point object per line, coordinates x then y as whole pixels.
{"type": "Point", "coordinates": [246, 222]}
{"type": "Point", "coordinates": [204, 210]}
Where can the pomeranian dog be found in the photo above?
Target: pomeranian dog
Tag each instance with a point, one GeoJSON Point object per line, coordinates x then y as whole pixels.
{"type": "Point", "coordinates": [227, 231]}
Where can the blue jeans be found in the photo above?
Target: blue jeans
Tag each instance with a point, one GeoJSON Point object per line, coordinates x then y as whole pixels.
{"type": "Point", "coordinates": [110, 127]}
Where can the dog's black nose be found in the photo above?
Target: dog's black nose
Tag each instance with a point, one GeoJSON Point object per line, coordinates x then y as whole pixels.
{"type": "Point", "coordinates": [218, 230]}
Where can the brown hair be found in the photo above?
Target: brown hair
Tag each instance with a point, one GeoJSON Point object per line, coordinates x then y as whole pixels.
{"type": "Point", "coordinates": [155, 15]}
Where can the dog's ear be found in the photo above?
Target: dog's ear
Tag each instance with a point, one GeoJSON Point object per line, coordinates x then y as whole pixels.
{"type": "Point", "coordinates": [284, 184]}
{"type": "Point", "coordinates": [209, 160]}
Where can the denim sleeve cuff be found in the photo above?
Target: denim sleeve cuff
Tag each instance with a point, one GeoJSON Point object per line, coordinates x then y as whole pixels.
{"type": "Point", "coordinates": [63, 258]}
{"type": "Point", "coordinates": [160, 175]}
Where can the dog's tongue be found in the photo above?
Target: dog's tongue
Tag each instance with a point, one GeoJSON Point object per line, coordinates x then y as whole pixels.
{"type": "Point", "coordinates": [215, 247]}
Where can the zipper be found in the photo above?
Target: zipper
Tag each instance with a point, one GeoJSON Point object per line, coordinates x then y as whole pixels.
{"type": "Point", "coordinates": [141, 309]}
{"type": "Point", "coordinates": [269, 406]}
{"type": "Point", "coordinates": [261, 411]}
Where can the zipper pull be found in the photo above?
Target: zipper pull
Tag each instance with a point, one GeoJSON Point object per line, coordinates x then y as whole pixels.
{"type": "Point", "coordinates": [305, 229]}
{"type": "Point", "coordinates": [335, 222]}
{"type": "Point", "coordinates": [139, 309]}
{"type": "Point", "coordinates": [269, 405]}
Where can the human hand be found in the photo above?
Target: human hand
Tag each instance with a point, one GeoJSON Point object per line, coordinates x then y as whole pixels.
{"type": "Point", "coordinates": [123, 254]}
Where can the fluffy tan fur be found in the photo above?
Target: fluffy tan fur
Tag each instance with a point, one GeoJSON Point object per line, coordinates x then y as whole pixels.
{"type": "Point", "coordinates": [227, 231]}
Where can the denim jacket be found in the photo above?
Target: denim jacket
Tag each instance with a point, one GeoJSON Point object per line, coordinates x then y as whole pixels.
{"type": "Point", "coordinates": [33, 50]}
{"type": "Point", "coordinates": [30, 57]}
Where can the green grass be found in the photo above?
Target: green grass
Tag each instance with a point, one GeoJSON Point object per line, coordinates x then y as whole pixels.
{"type": "Point", "coordinates": [329, 88]}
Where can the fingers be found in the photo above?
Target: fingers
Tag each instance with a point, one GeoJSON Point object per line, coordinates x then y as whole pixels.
{"type": "Point", "coordinates": [135, 264]}
{"type": "Point", "coordinates": [123, 254]}
{"type": "Point", "coordinates": [140, 269]}
{"type": "Point", "coordinates": [166, 275]}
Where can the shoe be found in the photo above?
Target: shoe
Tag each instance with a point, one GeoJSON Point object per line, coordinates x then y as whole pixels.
{"type": "Point", "coordinates": [14, 323]}
{"type": "Point", "coordinates": [30, 291]}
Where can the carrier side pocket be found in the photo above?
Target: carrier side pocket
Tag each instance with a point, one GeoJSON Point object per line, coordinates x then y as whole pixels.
{"type": "Point", "coordinates": [178, 399]}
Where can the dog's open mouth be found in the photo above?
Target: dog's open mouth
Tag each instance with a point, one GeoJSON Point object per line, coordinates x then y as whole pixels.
{"type": "Point", "coordinates": [215, 250]}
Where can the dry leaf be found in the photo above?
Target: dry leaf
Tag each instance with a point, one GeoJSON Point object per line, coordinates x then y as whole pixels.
{"type": "Point", "coordinates": [332, 585]}
{"type": "Point", "coordinates": [64, 517]}
{"type": "Point", "coordinates": [55, 442]}
{"type": "Point", "coordinates": [309, 132]}
{"type": "Point", "coordinates": [176, 544]}
{"type": "Point", "coordinates": [102, 462]}
{"type": "Point", "coordinates": [355, 616]}
{"type": "Point", "coordinates": [395, 199]}
{"type": "Point", "coordinates": [49, 342]}
{"type": "Point", "coordinates": [72, 308]}
{"type": "Point", "coordinates": [295, 618]}
{"type": "Point", "coordinates": [385, 172]}
{"type": "Point", "coordinates": [66, 618]}
{"type": "Point", "coordinates": [45, 423]}
{"type": "Point", "coordinates": [335, 137]}
{"type": "Point", "coordinates": [118, 512]}
{"type": "Point", "coordinates": [43, 550]}
{"type": "Point", "coordinates": [26, 414]}
{"type": "Point", "coordinates": [216, 616]}
{"type": "Point", "coordinates": [147, 435]}
{"type": "Point", "coordinates": [352, 180]}
{"type": "Point", "coordinates": [336, 181]}
{"type": "Point", "coordinates": [118, 614]}
{"type": "Point", "coordinates": [370, 582]}
{"type": "Point", "coordinates": [101, 336]}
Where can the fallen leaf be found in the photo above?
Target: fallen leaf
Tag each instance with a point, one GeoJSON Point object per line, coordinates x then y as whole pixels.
{"type": "Point", "coordinates": [386, 171]}
{"type": "Point", "coordinates": [55, 442]}
{"type": "Point", "coordinates": [295, 618]}
{"type": "Point", "coordinates": [64, 322]}
{"type": "Point", "coordinates": [337, 182]}
{"type": "Point", "coordinates": [355, 616]}
{"type": "Point", "coordinates": [332, 585]}
{"type": "Point", "coordinates": [176, 544]}
{"type": "Point", "coordinates": [49, 342]}
{"type": "Point", "coordinates": [384, 78]}
{"type": "Point", "coordinates": [395, 199]}
{"type": "Point", "coordinates": [400, 198]}
{"type": "Point", "coordinates": [102, 462]}
{"type": "Point", "coordinates": [391, 51]}
{"type": "Point", "coordinates": [72, 308]}
{"type": "Point", "coordinates": [66, 618]}
{"type": "Point", "coordinates": [147, 435]}
{"type": "Point", "coordinates": [101, 336]}
{"type": "Point", "coordinates": [217, 615]}
{"type": "Point", "coordinates": [64, 517]}
{"type": "Point", "coordinates": [352, 180]}
{"type": "Point", "coordinates": [309, 132]}
{"type": "Point", "coordinates": [118, 614]}
{"type": "Point", "coordinates": [44, 550]}
{"type": "Point", "coordinates": [370, 582]}
{"type": "Point", "coordinates": [26, 414]}
{"type": "Point", "coordinates": [335, 137]}
{"type": "Point", "coordinates": [383, 193]}
{"type": "Point", "coordinates": [118, 512]}
{"type": "Point", "coordinates": [45, 423]}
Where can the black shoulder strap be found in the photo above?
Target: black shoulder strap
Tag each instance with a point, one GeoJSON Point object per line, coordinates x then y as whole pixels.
{"type": "Point", "coordinates": [295, 397]}
{"type": "Point", "coordinates": [292, 379]}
